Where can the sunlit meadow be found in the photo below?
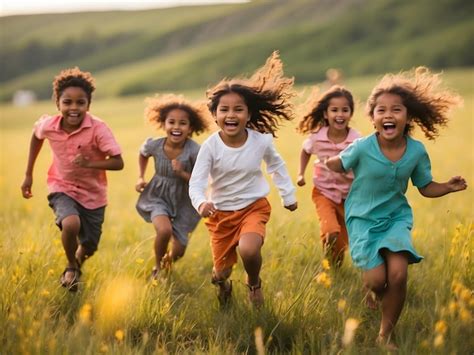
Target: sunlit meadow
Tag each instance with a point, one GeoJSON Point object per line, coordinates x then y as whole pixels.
{"type": "Point", "coordinates": [309, 308]}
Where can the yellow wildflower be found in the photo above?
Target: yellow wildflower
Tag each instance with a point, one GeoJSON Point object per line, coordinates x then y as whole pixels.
{"type": "Point", "coordinates": [85, 314]}
{"type": "Point", "coordinates": [119, 335]}
{"type": "Point", "coordinates": [438, 341]}
{"type": "Point", "coordinates": [325, 264]}
{"type": "Point", "coordinates": [44, 293]}
{"type": "Point", "coordinates": [323, 279]}
{"type": "Point", "coordinates": [139, 261]}
{"type": "Point", "coordinates": [104, 348]}
{"type": "Point", "coordinates": [341, 305]}
{"type": "Point", "coordinates": [465, 315]}
{"type": "Point", "coordinates": [441, 327]}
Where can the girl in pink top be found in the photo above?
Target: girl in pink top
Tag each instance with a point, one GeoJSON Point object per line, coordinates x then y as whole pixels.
{"type": "Point", "coordinates": [328, 125]}
{"type": "Point", "coordinates": [83, 148]}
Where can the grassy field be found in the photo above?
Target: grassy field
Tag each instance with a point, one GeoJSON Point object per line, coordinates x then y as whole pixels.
{"type": "Point", "coordinates": [307, 307]}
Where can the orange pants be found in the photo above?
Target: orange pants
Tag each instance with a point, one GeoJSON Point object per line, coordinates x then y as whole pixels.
{"type": "Point", "coordinates": [331, 220]}
{"type": "Point", "coordinates": [226, 227]}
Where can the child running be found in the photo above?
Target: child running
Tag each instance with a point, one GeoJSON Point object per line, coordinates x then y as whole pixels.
{"type": "Point", "coordinates": [328, 124]}
{"type": "Point", "coordinates": [247, 112]}
{"type": "Point", "coordinates": [378, 216]}
{"type": "Point", "coordinates": [164, 200]}
{"type": "Point", "coordinates": [83, 148]}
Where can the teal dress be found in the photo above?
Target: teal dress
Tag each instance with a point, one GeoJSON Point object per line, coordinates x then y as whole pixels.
{"type": "Point", "coordinates": [377, 213]}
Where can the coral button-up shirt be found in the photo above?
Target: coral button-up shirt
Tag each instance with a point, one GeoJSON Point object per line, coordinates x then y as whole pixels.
{"type": "Point", "coordinates": [334, 186]}
{"type": "Point", "coordinates": [95, 141]}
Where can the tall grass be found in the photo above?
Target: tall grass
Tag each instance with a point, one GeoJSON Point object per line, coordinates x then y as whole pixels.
{"type": "Point", "coordinates": [117, 309]}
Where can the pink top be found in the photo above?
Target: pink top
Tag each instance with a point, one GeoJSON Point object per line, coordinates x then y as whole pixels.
{"type": "Point", "coordinates": [95, 141]}
{"type": "Point", "coordinates": [334, 186]}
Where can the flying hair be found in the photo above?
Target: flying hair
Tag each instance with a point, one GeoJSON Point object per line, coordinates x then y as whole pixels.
{"type": "Point", "coordinates": [428, 104]}
{"type": "Point", "coordinates": [267, 94]}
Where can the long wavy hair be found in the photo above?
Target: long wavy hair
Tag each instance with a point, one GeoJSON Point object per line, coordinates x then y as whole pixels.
{"type": "Point", "coordinates": [267, 94]}
{"type": "Point", "coordinates": [317, 104]}
{"type": "Point", "coordinates": [428, 105]}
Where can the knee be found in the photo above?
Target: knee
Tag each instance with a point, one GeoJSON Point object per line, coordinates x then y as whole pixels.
{"type": "Point", "coordinates": [71, 224]}
{"type": "Point", "coordinates": [249, 251]}
{"type": "Point", "coordinates": [221, 275]}
{"type": "Point", "coordinates": [177, 254]}
{"type": "Point", "coordinates": [375, 283]}
{"type": "Point", "coordinates": [164, 232]}
{"type": "Point", "coordinates": [397, 278]}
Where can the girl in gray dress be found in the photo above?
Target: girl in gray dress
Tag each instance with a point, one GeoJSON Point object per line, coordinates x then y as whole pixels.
{"type": "Point", "coordinates": [164, 200]}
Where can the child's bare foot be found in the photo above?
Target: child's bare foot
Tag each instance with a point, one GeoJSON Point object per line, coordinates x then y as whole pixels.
{"type": "Point", "coordinates": [386, 343]}
{"type": "Point", "coordinates": [256, 294]}
{"type": "Point", "coordinates": [371, 300]}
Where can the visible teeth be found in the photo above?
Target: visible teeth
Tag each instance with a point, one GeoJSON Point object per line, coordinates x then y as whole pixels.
{"type": "Point", "coordinates": [176, 134]}
{"type": "Point", "coordinates": [340, 121]}
{"type": "Point", "coordinates": [231, 123]}
{"type": "Point", "coordinates": [389, 125]}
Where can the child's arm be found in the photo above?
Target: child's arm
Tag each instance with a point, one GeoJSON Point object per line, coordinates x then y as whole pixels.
{"type": "Point", "coordinates": [436, 189]}
{"type": "Point", "coordinates": [277, 169]}
{"type": "Point", "coordinates": [35, 148]}
{"type": "Point", "coordinates": [114, 162]}
{"type": "Point", "coordinates": [334, 164]}
{"type": "Point", "coordinates": [304, 159]}
{"type": "Point", "coordinates": [142, 164]}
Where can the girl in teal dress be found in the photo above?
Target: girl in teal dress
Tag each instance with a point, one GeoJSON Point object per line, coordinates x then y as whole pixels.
{"type": "Point", "coordinates": [378, 216]}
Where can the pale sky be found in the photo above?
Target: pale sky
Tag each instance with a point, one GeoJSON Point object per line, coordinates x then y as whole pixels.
{"type": "Point", "coordinates": [23, 7]}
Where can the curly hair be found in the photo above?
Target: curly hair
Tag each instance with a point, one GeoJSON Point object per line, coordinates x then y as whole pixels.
{"type": "Point", "coordinates": [318, 105]}
{"type": "Point", "coordinates": [73, 77]}
{"type": "Point", "coordinates": [427, 104]}
{"type": "Point", "coordinates": [267, 94]}
{"type": "Point", "coordinates": [159, 107]}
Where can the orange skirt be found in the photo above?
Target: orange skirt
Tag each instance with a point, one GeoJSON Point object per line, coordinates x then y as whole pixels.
{"type": "Point", "coordinates": [331, 220]}
{"type": "Point", "coordinates": [226, 227]}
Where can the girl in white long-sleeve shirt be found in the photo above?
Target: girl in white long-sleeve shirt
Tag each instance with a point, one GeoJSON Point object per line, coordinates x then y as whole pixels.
{"type": "Point", "coordinates": [247, 112]}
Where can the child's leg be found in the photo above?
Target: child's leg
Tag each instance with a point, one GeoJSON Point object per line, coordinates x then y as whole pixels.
{"type": "Point", "coordinates": [374, 283]}
{"type": "Point", "coordinates": [250, 246]}
{"type": "Point", "coordinates": [395, 292]}
{"type": "Point", "coordinates": [70, 230]}
{"type": "Point", "coordinates": [177, 250]}
{"type": "Point", "coordinates": [164, 231]}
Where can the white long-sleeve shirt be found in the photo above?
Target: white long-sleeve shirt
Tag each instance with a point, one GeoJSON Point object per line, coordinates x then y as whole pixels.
{"type": "Point", "coordinates": [235, 175]}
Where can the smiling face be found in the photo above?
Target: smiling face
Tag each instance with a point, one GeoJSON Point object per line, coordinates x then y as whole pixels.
{"type": "Point", "coordinates": [232, 115]}
{"type": "Point", "coordinates": [390, 117]}
{"type": "Point", "coordinates": [73, 103]}
{"type": "Point", "coordinates": [177, 126]}
{"type": "Point", "coordinates": [338, 114]}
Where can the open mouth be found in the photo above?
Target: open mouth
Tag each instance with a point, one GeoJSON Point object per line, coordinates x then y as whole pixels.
{"type": "Point", "coordinates": [176, 134]}
{"type": "Point", "coordinates": [388, 126]}
{"type": "Point", "coordinates": [340, 121]}
{"type": "Point", "coordinates": [231, 124]}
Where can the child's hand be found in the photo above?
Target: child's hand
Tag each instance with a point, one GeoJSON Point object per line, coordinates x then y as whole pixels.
{"type": "Point", "coordinates": [292, 207]}
{"type": "Point", "coordinates": [457, 183]}
{"type": "Point", "coordinates": [81, 161]}
{"type": "Point", "coordinates": [177, 166]}
{"type": "Point", "coordinates": [140, 185]}
{"type": "Point", "coordinates": [26, 187]}
{"type": "Point", "coordinates": [300, 180]}
{"type": "Point", "coordinates": [207, 209]}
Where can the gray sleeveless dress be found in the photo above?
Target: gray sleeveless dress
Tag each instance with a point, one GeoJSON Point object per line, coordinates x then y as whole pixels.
{"type": "Point", "coordinates": [166, 193]}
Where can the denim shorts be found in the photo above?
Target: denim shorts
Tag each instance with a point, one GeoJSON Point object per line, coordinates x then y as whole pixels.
{"type": "Point", "coordinates": [91, 220]}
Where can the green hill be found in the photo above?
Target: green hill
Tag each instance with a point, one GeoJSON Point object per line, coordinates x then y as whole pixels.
{"type": "Point", "coordinates": [188, 47]}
